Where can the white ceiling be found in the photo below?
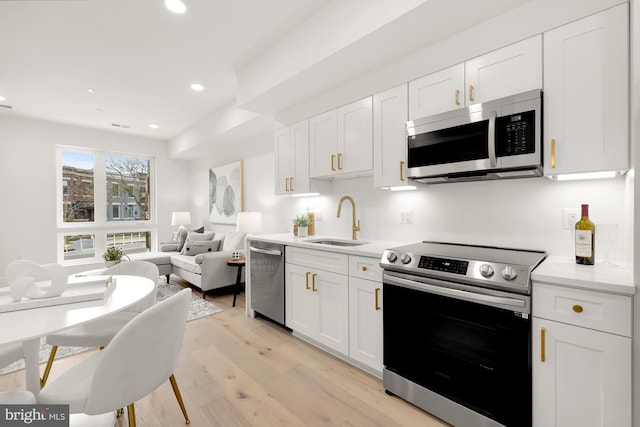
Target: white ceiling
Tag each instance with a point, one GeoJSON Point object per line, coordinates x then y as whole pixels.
{"type": "Point", "coordinates": [137, 56]}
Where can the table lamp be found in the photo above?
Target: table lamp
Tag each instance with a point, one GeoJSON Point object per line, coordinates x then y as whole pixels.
{"type": "Point", "coordinates": [181, 219]}
{"type": "Point", "coordinates": [249, 222]}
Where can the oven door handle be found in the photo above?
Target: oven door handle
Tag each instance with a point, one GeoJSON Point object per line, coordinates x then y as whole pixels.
{"type": "Point", "coordinates": [454, 293]}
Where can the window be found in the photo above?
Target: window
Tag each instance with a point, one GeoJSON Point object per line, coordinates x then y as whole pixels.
{"type": "Point", "coordinates": [104, 199]}
{"type": "Point", "coordinates": [77, 179]}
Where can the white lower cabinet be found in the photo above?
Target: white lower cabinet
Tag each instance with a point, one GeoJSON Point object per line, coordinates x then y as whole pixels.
{"type": "Point", "coordinates": [581, 374]}
{"type": "Point", "coordinates": [336, 300]}
{"type": "Point", "coordinates": [317, 302]}
{"type": "Point", "coordinates": [365, 322]}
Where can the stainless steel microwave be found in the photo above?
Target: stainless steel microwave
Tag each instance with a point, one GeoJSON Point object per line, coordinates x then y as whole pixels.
{"type": "Point", "coordinates": [491, 140]}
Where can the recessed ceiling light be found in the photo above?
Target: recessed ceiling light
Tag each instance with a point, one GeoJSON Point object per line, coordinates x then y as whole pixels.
{"type": "Point", "coordinates": [154, 126]}
{"type": "Point", "coordinates": [175, 6]}
{"type": "Point", "coordinates": [197, 87]}
{"type": "Point", "coordinates": [90, 90]}
{"type": "Point", "coordinates": [2, 98]}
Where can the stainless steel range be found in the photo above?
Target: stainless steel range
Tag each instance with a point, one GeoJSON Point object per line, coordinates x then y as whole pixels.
{"type": "Point", "coordinates": [457, 331]}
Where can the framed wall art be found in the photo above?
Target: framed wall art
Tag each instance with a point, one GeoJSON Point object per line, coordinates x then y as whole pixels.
{"type": "Point", "coordinates": [226, 193]}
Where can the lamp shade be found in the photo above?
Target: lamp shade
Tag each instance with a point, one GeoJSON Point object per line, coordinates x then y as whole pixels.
{"type": "Point", "coordinates": [180, 218]}
{"type": "Point", "coordinates": [249, 222]}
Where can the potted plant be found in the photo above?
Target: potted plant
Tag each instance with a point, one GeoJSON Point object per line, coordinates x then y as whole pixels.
{"type": "Point", "coordinates": [113, 255]}
{"type": "Point", "coordinates": [302, 222]}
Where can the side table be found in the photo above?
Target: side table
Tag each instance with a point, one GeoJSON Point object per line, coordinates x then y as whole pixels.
{"type": "Point", "coordinates": [237, 263]}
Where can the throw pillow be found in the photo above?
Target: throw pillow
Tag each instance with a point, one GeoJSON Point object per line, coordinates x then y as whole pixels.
{"type": "Point", "coordinates": [199, 230]}
{"type": "Point", "coordinates": [197, 237]}
{"type": "Point", "coordinates": [233, 241]}
{"type": "Point", "coordinates": [201, 247]}
{"type": "Point", "coordinates": [182, 237]}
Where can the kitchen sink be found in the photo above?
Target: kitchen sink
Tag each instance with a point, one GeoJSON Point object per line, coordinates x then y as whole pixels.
{"type": "Point", "coordinates": [337, 242]}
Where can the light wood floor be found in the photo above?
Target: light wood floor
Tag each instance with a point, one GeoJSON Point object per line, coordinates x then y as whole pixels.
{"type": "Point", "coordinates": [239, 371]}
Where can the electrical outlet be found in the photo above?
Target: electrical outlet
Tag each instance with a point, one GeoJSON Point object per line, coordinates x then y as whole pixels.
{"type": "Point", "coordinates": [318, 214]}
{"type": "Point", "coordinates": [569, 218]}
{"type": "Point", "coordinates": [406, 216]}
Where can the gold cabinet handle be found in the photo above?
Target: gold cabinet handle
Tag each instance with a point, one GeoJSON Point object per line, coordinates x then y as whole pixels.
{"type": "Point", "coordinates": [577, 308]}
{"type": "Point", "coordinates": [306, 279]}
{"type": "Point", "coordinates": [291, 184]}
{"type": "Point", "coordinates": [364, 268]}
{"type": "Point", "coordinates": [339, 161]}
{"type": "Point", "coordinates": [313, 282]}
{"type": "Point", "coordinates": [286, 184]}
{"type": "Point", "coordinates": [553, 153]}
{"type": "Point", "coordinates": [457, 97]}
{"type": "Point", "coordinates": [401, 170]}
{"type": "Point", "coordinates": [377, 294]}
{"type": "Point", "coordinates": [333, 159]}
{"type": "Point", "coordinates": [471, 93]}
{"type": "Point", "coordinates": [543, 356]}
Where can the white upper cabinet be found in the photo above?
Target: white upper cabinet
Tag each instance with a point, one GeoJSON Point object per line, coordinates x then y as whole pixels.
{"type": "Point", "coordinates": [586, 101]}
{"type": "Point", "coordinates": [390, 114]}
{"type": "Point", "coordinates": [507, 71]}
{"type": "Point", "coordinates": [341, 141]}
{"type": "Point", "coordinates": [291, 145]}
{"type": "Point", "coordinates": [436, 93]}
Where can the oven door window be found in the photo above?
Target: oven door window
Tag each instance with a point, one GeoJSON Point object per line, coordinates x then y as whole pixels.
{"type": "Point", "coordinates": [475, 355]}
{"type": "Point", "coordinates": [451, 145]}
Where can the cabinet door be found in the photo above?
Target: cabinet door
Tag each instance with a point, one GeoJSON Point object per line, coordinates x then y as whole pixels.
{"type": "Point", "coordinates": [586, 94]}
{"type": "Point", "coordinates": [355, 137]}
{"type": "Point", "coordinates": [299, 136]}
{"type": "Point", "coordinates": [365, 322]}
{"type": "Point", "coordinates": [507, 71]}
{"type": "Point", "coordinates": [390, 137]}
{"type": "Point", "coordinates": [436, 93]}
{"type": "Point", "coordinates": [301, 303]}
{"type": "Point", "coordinates": [582, 377]}
{"type": "Point", "coordinates": [284, 160]}
{"type": "Point", "coordinates": [323, 144]}
{"type": "Point", "coordinates": [332, 292]}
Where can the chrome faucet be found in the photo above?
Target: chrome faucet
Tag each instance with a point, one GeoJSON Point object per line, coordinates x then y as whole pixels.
{"type": "Point", "coordinates": [354, 227]}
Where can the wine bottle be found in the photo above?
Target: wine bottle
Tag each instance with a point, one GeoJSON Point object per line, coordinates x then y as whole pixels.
{"type": "Point", "coordinates": [585, 236]}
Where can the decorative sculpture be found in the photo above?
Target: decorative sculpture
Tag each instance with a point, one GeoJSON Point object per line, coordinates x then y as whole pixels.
{"type": "Point", "coordinates": [29, 279]}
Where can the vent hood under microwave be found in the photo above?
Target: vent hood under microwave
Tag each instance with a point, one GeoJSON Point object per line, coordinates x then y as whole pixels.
{"type": "Point", "coordinates": [493, 140]}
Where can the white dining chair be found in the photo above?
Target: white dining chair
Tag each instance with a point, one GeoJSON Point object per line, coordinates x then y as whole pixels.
{"type": "Point", "coordinates": [10, 353]}
{"type": "Point", "coordinates": [141, 357]}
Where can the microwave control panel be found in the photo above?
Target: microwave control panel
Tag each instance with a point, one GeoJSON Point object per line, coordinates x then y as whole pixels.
{"type": "Point", "coordinates": [515, 134]}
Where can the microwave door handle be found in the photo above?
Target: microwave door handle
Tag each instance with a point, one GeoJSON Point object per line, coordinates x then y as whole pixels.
{"type": "Point", "coordinates": [492, 139]}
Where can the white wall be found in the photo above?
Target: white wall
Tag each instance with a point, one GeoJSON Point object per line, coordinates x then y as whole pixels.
{"type": "Point", "coordinates": [28, 176]}
{"type": "Point", "coordinates": [523, 213]}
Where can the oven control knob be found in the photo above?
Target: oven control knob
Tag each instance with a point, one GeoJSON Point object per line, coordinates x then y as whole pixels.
{"type": "Point", "coordinates": [405, 258]}
{"type": "Point", "coordinates": [392, 257]}
{"type": "Point", "coordinates": [486, 270]}
{"type": "Point", "coordinates": [509, 273]}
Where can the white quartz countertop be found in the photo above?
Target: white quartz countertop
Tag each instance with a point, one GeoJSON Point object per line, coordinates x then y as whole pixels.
{"type": "Point", "coordinates": [369, 248]}
{"type": "Point", "coordinates": [600, 277]}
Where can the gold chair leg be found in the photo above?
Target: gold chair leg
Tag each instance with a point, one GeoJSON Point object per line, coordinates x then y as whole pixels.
{"type": "Point", "coordinates": [176, 390]}
{"type": "Point", "coordinates": [47, 368]}
{"type": "Point", "coordinates": [131, 415]}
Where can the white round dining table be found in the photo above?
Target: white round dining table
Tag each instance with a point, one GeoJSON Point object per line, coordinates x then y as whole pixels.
{"type": "Point", "coordinates": [27, 326]}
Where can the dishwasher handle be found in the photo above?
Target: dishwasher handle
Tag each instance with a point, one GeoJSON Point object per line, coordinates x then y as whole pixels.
{"type": "Point", "coordinates": [273, 252]}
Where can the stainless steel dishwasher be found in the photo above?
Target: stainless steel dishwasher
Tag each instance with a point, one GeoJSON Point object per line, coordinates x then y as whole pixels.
{"type": "Point", "coordinates": [266, 266]}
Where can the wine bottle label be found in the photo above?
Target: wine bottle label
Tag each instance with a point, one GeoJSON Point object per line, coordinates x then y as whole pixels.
{"type": "Point", "coordinates": [583, 243]}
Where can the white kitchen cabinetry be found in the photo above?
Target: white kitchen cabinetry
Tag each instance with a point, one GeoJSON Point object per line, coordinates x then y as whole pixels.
{"type": "Point", "coordinates": [341, 141]}
{"type": "Point", "coordinates": [365, 312]}
{"type": "Point", "coordinates": [317, 296]}
{"type": "Point", "coordinates": [581, 358]}
{"type": "Point", "coordinates": [390, 115]}
{"type": "Point", "coordinates": [291, 146]}
{"type": "Point", "coordinates": [586, 94]}
{"type": "Point", "coordinates": [507, 71]}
